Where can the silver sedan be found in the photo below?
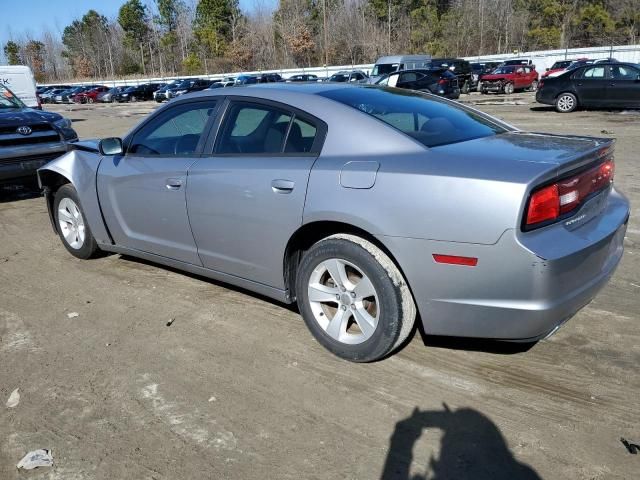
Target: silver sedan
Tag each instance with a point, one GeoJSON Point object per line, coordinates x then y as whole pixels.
{"type": "Point", "coordinates": [369, 207]}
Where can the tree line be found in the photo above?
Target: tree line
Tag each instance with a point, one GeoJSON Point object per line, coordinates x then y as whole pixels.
{"type": "Point", "coordinates": [173, 37]}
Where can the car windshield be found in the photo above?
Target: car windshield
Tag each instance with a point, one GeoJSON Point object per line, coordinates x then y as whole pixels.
{"type": "Point", "coordinates": [564, 64]}
{"type": "Point", "coordinates": [384, 69]}
{"type": "Point", "coordinates": [429, 120]}
{"type": "Point", "coordinates": [502, 70]}
{"type": "Point", "coordinates": [8, 99]}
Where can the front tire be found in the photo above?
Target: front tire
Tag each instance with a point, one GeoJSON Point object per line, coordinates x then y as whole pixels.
{"type": "Point", "coordinates": [508, 88]}
{"type": "Point", "coordinates": [353, 298]}
{"type": "Point", "coordinates": [566, 102]}
{"type": "Point", "coordinates": [71, 224]}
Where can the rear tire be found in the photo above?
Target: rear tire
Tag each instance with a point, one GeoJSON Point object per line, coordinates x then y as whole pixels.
{"type": "Point", "coordinates": [71, 224]}
{"type": "Point", "coordinates": [369, 291]}
{"type": "Point", "coordinates": [566, 102]}
{"type": "Point", "coordinates": [534, 86]}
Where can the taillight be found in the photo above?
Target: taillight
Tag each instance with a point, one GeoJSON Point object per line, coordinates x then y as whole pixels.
{"type": "Point", "coordinates": [544, 205]}
{"type": "Point", "coordinates": [443, 81]}
{"type": "Point", "coordinates": [554, 201]}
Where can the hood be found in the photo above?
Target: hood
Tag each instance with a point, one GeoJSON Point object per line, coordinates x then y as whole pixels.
{"type": "Point", "coordinates": [26, 116]}
{"type": "Point", "coordinates": [497, 76]}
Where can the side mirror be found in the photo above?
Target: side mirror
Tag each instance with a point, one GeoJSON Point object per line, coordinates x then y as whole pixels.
{"type": "Point", "coordinates": [547, 69]}
{"type": "Point", "coordinates": [110, 146]}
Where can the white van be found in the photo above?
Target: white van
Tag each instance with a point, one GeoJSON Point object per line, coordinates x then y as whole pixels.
{"type": "Point", "coordinates": [19, 79]}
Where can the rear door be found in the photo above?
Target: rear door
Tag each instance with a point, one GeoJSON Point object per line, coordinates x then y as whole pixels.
{"type": "Point", "coordinates": [623, 89]}
{"type": "Point", "coordinates": [142, 193]}
{"type": "Point", "coordinates": [246, 197]}
{"type": "Point", "coordinates": [591, 85]}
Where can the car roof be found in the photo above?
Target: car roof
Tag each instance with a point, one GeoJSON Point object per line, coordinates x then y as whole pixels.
{"type": "Point", "coordinates": [402, 58]}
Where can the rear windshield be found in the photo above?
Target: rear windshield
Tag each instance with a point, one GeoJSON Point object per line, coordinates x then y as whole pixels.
{"type": "Point", "coordinates": [427, 119]}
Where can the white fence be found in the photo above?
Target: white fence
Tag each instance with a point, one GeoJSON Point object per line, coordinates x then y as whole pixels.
{"type": "Point", "coordinates": [542, 59]}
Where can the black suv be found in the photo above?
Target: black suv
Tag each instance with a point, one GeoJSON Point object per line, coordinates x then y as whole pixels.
{"type": "Point", "coordinates": [29, 138]}
{"type": "Point", "coordinates": [440, 81]}
{"type": "Point", "coordinates": [461, 68]}
{"type": "Point", "coordinates": [138, 92]}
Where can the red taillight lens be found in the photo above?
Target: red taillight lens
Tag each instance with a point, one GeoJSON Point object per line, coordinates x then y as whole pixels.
{"type": "Point", "coordinates": [443, 81]}
{"type": "Point", "coordinates": [558, 199]}
{"type": "Point", "coordinates": [544, 205]}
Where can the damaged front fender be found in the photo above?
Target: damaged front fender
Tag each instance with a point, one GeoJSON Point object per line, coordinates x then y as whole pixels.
{"type": "Point", "coordinates": [78, 167]}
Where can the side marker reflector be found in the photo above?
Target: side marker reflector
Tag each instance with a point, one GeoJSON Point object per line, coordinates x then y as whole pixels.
{"type": "Point", "coordinates": [455, 260]}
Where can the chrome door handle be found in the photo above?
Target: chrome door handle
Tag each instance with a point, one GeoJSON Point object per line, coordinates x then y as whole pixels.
{"type": "Point", "coordinates": [174, 183]}
{"type": "Point", "coordinates": [282, 186]}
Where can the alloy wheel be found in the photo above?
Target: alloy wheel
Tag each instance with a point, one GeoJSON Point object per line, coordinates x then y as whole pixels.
{"type": "Point", "coordinates": [71, 223]}
{"type": "Point", "coordinates": [344, 301]}
{"type": "Point", "coordinates": [566, 103]}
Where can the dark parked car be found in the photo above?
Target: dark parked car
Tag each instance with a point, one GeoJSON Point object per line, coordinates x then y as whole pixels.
{"type": "Point", "coordinates": [260, 78]}
{"type": "Point", "coordinates": [354, 76]}
{"type": "Point", "coordinates": [303, 77]}
{"type": "Point", "coordinates": [615, 85]}
{"type": "Point", "coordinates": [440, 82]}
{"type": "Point", "coordinates": [187, 86]}
{"type": "Point", "coordinates": [161, 94]}
{"type": "Point", "coordinates": [138, 92]}
{"type": "Point", "coordinates": [29, 138]}
{"type": "Point", "coordinates": [461, 68]}
{"type": "Point", "coordinates": [110, 95]}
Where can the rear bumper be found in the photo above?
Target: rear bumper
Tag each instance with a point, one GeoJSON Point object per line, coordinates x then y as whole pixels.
{"type": "Point", "coordinates": [523, 287]}
{"type": "Point", "coordinates": [545, 97]}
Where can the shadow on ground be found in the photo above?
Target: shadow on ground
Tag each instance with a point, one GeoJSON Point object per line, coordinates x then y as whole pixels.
{"type": "Point", "coordinates": [472, 448]}
{"type": "Point", "coordinates": [19, 190]}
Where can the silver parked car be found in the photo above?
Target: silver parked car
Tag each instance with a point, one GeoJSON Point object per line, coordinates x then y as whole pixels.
{"type": "Point", "coordinates": [368, 206]}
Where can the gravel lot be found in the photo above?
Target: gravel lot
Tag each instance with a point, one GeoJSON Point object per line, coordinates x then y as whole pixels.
{"type": "Point", "coordinates": [237, 388]}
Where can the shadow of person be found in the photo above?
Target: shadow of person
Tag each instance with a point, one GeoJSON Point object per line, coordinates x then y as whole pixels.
{"type": "Point", "coordinates": [472, 448]}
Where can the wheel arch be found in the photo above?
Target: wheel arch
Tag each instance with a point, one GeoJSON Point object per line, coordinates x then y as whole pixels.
{"type": "Point", "coordinates": [50, 181]}
{"type": "Point", "coordinates": [572, 92]}
{"type": "Point", "coordinates": [312, 232]}
{"type": "Point", "coordinates": [78, 168]}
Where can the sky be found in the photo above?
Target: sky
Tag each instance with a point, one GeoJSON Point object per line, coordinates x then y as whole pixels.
{"type": "Point", "coordinates": [34, 16]}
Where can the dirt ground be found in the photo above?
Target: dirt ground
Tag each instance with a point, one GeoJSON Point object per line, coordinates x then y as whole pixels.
{"type": "Point", "coordinates": [237, 388]}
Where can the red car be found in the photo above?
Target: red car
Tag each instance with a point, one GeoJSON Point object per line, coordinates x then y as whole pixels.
{"type": "Point", "coordinates": [509, 78]}
{"type": "Point", "coordinates": [561, 66]}
{"type": "Point", "coordinates": [89, 96]}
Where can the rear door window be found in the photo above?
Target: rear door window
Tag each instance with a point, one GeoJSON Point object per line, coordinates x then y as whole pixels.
{"type": "Point", "coordinates": [596, 73]}
{"type": "Point", "coordinates": [252, 128]}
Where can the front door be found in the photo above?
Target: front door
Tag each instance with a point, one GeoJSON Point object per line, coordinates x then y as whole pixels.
{"type": "Point", "coordinates": [142, 193]}
{"type": "Point", "coordinates": [624, 86]}
{"type": "Point", "coordinates": [246, 199]}
{"type": "Point", "coordinates": [592, 86]}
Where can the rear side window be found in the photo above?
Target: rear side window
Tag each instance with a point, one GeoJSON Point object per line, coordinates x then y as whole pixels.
{"type": "Point", "coordinates": [428, 120]}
